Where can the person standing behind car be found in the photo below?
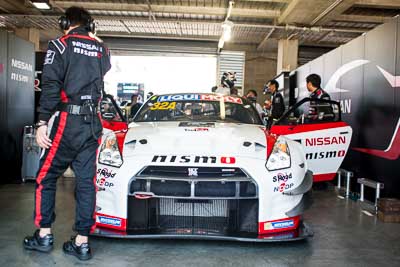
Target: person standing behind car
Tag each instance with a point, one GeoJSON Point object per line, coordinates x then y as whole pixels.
{"type": "Point", "coordinates": [135, 106]}
{"type": "Point", "coordinates": [316, 92]}
{"type": "Point", "coordinates": [227, 84]}
{"type": "Point", "coordinates": [252, 97]}
{"type": "Point", "coordinates": [72, 85]}
{"type": "Point", "coordinates": [277, 104]}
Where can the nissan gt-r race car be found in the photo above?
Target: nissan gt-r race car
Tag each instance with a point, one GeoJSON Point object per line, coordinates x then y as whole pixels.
{"type": "Point", "coordinates": [204, 166]}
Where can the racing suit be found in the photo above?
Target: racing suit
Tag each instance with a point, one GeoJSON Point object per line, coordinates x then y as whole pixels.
{"type": "Point", "coordinates": [72, 81]}
{"type": "Point", "coordinates": [320, 110]}
{"type": "Point", "coordinates": [277, 106]}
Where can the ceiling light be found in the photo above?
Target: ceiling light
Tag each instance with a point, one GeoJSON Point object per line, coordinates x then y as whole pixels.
{"type": "Point", "coordinates": [227, 30]}
{"type": "Point", "coordinates": [41, 4]}
{"type": "Point", "coordinates": [221, 43]}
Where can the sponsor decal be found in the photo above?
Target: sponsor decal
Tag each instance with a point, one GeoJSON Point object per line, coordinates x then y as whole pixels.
{"type": "Point", "coordinates": [205, 97]}
{"type": "Point", "coordinates": [49, 57]}
{"type": "Point", "coordinates": [278, 225]}
{"type": "Point", "coordinates": [345, 106]}
{"type": "Point", "coordinates": [169, 98]}
{"type": "Point", "coordinates": [193, 159]}
{"type": "Point", "coordinates": [282, 177]}
{"type": "Point", "coordinates": [324, 141]}
{"type": "Point", "coordinates": [283, 187]}
{"type": "Point", "coordinates": [193, 172]}
{"type": "Point", "coordinates": [106, 173]}
{"type": "Point", "coordinates": [163, 106]}
{"type": "Point", "coordinates": [326, 154]}
{"type": "Point", "coordinates": [196, 130]}
{"type": "Point", "coordinates": [282, 224]}
{"type": "Point", "coordinates": [230, 99]}
{"type": "Point", "coordinates": [21, 65]}
{"type": "Point", "coordinates": [110, 221]}
{"type": "Point", "coordinates": [102, 182]}
{"type": "Point", "coordinates": [1, 68]}
{"type": "Point", "coordinates": [86, 46]}
{"type": "Point", "coordinates": [17, 66]}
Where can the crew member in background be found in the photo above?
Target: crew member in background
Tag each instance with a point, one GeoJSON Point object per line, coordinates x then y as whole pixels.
{"type": "Point", "coordinates": [135, 105]}
{"type": "Point", "coordinates": [267, 107]}
{"type": "Point", "coordinates": [72, 84]}
{"type": "Point", "coordinates": [277, 104]}
{"type": "Point", "coordinates": [252, 97]}
{"type": "Point", "coordinates": [318, 110]}
{"type": "Point", "coordinates": [227, 83]}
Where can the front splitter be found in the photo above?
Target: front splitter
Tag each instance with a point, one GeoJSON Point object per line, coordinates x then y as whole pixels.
{"type": "Point", "coordinates": [303, 232]}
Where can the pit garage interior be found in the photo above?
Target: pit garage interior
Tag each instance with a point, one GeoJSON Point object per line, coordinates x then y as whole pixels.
{"type": "Point", "coordinates": [171, 46]}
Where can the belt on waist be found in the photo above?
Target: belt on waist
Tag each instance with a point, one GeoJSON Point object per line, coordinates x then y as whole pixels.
{"type": "Point", "coordinates": [78, 109]}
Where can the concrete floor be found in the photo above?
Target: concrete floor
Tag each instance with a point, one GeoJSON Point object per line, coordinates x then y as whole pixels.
{"type": "Point", "coordinates": [343, 237]}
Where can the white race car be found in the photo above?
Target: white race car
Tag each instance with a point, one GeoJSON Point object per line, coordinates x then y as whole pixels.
{"type": "Point", "coordinates": [200, 166]}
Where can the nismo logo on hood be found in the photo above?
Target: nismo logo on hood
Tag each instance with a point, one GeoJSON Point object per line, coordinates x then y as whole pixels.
{"type": "Point", "coordinates": [194, 159]}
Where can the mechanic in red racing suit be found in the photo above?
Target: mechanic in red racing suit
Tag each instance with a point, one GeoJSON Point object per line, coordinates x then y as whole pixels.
{"type": "Point", "coordinates": [69, 128]}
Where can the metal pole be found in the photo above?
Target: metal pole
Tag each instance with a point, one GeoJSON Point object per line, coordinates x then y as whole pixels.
{"type": "Point", "coordinates": [348, 184]}
{"type": "Point", "coordinates": [378, 189]}
{"type": "Point", "coordinates": [339, 183]}
{"type": "Point", "coordinates": [362, 193]}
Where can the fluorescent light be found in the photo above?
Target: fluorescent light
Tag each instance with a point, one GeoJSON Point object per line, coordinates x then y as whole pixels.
{"type": "Point", "coordinates": [41, 4]}
{"type": "Point", "coordinates": [221, 43]}
{"type": "Point", "coordinates": [227, 35]}
{"type": "Point", "coordinates": [227, 30]}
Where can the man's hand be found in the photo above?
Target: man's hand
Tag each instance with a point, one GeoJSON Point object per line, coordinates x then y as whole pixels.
{"type": "Point", "coordinates": [41, 137]}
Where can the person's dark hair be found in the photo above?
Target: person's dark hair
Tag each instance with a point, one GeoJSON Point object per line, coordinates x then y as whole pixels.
{"type": "Point", "coordinates": [274, 82]}
{"type": "Point", "coordinates": [314, 79]}
{"type": "Point", "coordinates": [234, 91]}
{"type": "Point", "coordinates": [78, 16]}
{"type": "Point", "coordinates": [133, 96]}
{"type": "Point", "coordinates": [252, 91]}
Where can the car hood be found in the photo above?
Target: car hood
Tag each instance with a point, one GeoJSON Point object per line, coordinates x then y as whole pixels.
{"type": "Point", "coordinates": [183, 138]}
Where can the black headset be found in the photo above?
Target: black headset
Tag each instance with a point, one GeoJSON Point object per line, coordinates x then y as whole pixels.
{"type": "Point", "coordinates": [65, 23]}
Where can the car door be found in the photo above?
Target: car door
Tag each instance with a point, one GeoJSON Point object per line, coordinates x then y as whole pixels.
{"type": "Point", "coordinates": [325, 137]}
{"type": "Point", "coordinates": [111, 117]}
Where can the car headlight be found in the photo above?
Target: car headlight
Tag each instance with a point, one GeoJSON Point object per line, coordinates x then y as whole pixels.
{"type": "Point", "coordinates": [109, 152]}
{"type": "Point", "coordinates": [280, 156]}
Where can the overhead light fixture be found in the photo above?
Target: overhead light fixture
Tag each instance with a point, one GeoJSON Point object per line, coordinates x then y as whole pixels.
{"type": "Point", "coordinates": [221, 43]}
{"type": "Point", "coordinates": [41, 4]}
{"type": "Point", "coordinates": [227, 30]}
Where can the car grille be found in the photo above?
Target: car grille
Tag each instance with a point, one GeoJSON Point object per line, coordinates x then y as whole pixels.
{"type": "Point", "coordinates": [202, 205]}
{"type": "Point", "coordinates": [200, 172]}
{"type": "Point", "coordinates": [178, 184]}
{"type": "Point", "coordinates": [191, 216]}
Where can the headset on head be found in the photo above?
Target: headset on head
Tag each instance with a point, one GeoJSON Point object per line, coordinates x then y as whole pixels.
{"type": "Point", "coordinates": [65, 23]}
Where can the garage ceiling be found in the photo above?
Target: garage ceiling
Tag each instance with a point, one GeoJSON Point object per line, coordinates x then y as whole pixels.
{"type": "Point", "coordinates": [257, 23]}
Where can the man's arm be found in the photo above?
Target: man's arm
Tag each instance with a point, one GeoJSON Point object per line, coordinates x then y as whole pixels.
{"type": "Point", "coordinates": [52, 81]}
{"type": "Point", "coordinates": [106, 62]}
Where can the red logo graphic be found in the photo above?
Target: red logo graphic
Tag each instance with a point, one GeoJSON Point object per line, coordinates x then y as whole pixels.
{"type": "Point", "coordinates": [1, 68]}
{"type": "Point", "coordinates": [392, 152]}
{"type": "Point", "coordinates": [228, 160]}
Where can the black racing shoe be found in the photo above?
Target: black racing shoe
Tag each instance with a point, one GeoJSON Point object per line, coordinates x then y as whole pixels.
{"type": "Point", "coordinates": [35, 242]}
{"type": "Point", "coordinates": [82, 252]}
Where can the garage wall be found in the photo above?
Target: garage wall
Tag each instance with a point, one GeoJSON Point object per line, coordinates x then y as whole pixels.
{"type": "Point", "coordinates": [258, 70]}
{"type": "Point", "coordinates": [364, 76]}
{"type": "Point", "coordinates": [17, 59]}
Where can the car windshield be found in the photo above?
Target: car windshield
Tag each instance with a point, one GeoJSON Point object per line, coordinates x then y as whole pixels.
{"type": "Point", "coordinates": [198, 107]}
